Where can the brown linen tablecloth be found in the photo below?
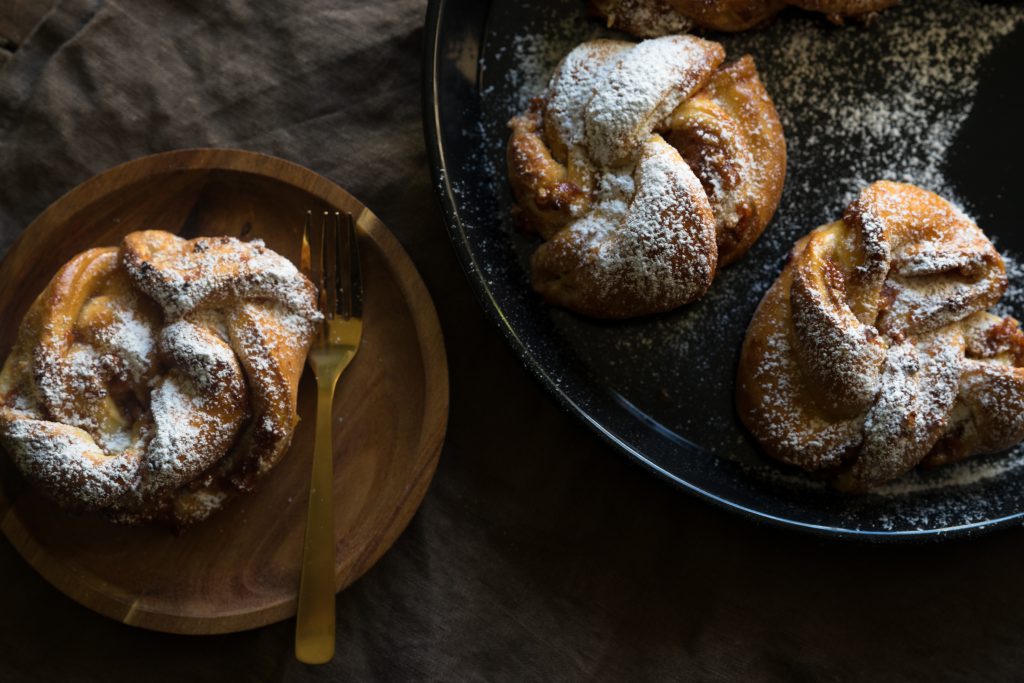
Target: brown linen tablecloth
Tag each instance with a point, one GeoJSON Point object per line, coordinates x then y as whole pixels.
{"type": "Point", "coordinates": [539, 553]}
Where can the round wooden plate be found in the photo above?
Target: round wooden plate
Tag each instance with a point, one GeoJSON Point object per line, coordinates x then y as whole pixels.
{"type": "Point", "coordinates": [240, 569]}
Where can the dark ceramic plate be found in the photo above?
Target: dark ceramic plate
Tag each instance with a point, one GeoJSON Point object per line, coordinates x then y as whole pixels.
{"type": "Point", "coordinates": [927, 94]}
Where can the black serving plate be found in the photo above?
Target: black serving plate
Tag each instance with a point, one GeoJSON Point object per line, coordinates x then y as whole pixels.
{"type": "Point", "coordinates": [927, 93]}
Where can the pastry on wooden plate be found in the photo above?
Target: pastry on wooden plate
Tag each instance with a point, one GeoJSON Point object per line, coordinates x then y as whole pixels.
{"type": "Point", "coordinates": [644, 168]}
{"type": "Point", "coordinates": [649, 18]}
{"type": "Point", "coordinates": [153, 380]}
{"type": "Point", "coordinates": [874, 352]}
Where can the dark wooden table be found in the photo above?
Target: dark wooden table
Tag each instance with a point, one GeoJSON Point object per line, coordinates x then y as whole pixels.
{"type": "Point", "coordinates": [540, 553]}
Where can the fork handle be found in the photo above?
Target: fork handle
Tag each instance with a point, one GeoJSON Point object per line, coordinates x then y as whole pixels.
{"type": "Point", "coordinates": [314, 629]}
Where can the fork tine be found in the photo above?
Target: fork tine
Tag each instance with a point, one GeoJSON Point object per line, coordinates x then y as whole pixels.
{"type": "Point", "coordinates": [318, 266]}
{"type": "Point", "coordinates": [328, 247]}
{"type": "Point", "coordinates": [355, 275]}
{"type": "Point", "coordinates": [305, 258]}
{"type": "Point", "coordinates": [344, 274]}
{"type": "Point", "coordinates": [333, 265]}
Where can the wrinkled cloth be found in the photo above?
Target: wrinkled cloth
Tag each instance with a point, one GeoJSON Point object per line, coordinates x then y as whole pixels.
{"type": "Point", "coordinates": [539, 553]}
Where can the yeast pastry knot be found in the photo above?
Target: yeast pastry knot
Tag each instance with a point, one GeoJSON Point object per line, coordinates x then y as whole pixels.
{"type": "Point", "coordinates": [873, 351]}
{"type": "Point", "coordinates": [649, 18]}
{"type": "Point", "coordinates": [644, 167]}
{"type": "Point", "coordinates": [151, 381]}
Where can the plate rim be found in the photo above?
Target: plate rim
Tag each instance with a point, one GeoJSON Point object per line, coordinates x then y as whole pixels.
{"type": "Point", "coordinates": [434, 421]}
{"type": "Point", "coordinates": [445, 195]}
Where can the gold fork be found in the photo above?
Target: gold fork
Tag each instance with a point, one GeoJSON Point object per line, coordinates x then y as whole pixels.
{"type": "Point", "coordinates": [336, 274]}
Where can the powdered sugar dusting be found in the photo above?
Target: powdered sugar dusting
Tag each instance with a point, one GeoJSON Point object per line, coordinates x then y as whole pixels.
{"type": "Point", "coordinates": [918, 92]}
{"type": "Point", "coordinates": [915, 396]}
{"type": "Point", "coordinates": [133, 338]}
{"type": "Point", "coordinates": [68, 457]}
{"type": "Point", "coordinates": [205, 358]}
{"type": "Point", "coordinates": [573, 85]}
{"type": "Point", "coordinates": [110, 403]}
{"type": "Point", "coordinates": [182, 278]}
{"type": "Point", "coordinates": [671, 264]}
{"type": "Point", "coordinates": [643, 87]}
{"type": "Point", "coordinates": [908, 84]}
{"type": "Point", "coordinates": [178, 434]}
{"type": "Point", "coordinates": [621, 254]}
{"type": "Point", "coordinates": [940, 360]}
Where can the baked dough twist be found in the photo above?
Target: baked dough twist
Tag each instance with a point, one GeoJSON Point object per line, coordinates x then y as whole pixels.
{"type": "Point", "coordinates": [650, 18]}
{"type": "Point", "coordinates": [644, 167]}
{"type": "Point", "coordinates": [152, 380]}
{"type": "Point", "coordinates": [873, 351]}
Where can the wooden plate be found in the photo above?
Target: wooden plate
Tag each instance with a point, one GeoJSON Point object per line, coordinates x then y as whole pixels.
{"type": "Point", "coordinates": [240, 569]}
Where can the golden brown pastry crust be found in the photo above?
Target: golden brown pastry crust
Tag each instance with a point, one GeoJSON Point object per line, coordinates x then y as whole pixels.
{"type": "Point", "coordinates": [730, 135]}
{"type": "Point", "coordinates": [650, 18]}
{"type": "Point", "coordinates": [873, 351]}
{"type": "Point", "coordinates": [153, 380]}
{"type": "Point", "coordinates": [644, 178]}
